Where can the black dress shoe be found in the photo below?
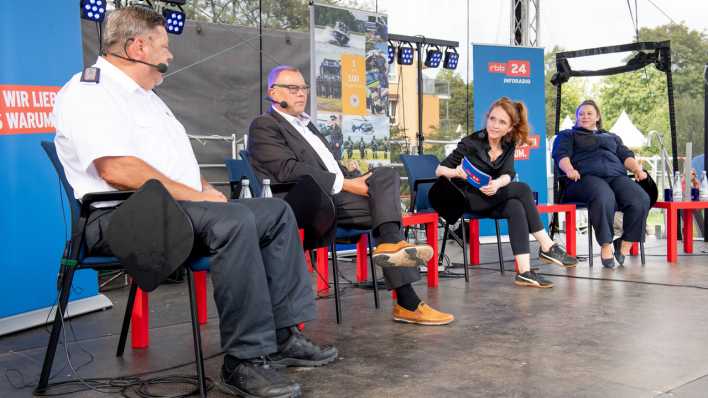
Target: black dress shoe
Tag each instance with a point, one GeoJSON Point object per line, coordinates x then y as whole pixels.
{"type": "Point", "coordinates": [298, 350]}
{"type": "Point", "coordinates": [617, 244]}
{"type": "Point", "coordinates": [255, 378]}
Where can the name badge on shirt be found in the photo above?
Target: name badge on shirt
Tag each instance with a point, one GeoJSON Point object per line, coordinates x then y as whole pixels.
{"type": "Point", "coordinates": [91, 75]}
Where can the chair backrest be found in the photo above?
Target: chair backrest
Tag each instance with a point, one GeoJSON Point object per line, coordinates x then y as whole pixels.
{"type": "Point", "coordinates": [51, 151]}
{"type": "Point", "coordinates": [417, 167]}
{"type": "Point", "coordinates": [240, 169]}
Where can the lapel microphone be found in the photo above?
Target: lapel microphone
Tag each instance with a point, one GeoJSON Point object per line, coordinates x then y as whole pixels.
{"type": "Point", "coordinates": [162, 68]}
{"type": "Point", "coordinates": [283, 104]}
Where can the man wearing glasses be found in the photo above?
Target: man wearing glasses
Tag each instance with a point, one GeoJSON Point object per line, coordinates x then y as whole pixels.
{"type": "Point", "coordinates": [285, 145]}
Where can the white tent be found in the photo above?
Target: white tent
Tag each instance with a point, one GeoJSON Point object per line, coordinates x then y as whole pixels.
{"type": "Point", "coordinates": [630, 134]}
{"type": "Point", "coordinates": [566, 123]}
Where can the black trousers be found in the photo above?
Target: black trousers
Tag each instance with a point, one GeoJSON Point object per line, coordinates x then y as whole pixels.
{"type": "Point", "coordinates": [606, 195]}
{"type": "Point", "coordinates": [513, 202]}
{"type": "Point", "coordinates": [383, 205]}
{"type": "Point", "coordinates": [257, 268]}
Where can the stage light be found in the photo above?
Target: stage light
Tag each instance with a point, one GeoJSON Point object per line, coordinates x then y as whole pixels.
{"type": "Point", "coordinates": [93, 10]}
{"type": "Point", "coordinates": [451, 58]}
{"type": "Point", "coordinates": [391, 52]}
{"type": "Point", "coordinates": [433, 57]}
{"type": "Point", "coordinates": [174, 21]}
{"type": "Point", "coordinates": [405, 53]}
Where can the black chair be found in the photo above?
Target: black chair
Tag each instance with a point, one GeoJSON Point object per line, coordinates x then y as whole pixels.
{"type": "Point", "coordinates": [75, 258]}
{"type": "Point", "coordinates": [421, 177]}
{"type": "Point", "coordinates": [241, 168]}
{"type": "Point", "coordinates": [559, 193]}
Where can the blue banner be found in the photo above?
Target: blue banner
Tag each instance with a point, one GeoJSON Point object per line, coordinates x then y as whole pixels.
{"type": "Point", "coordinates": [517, 73]}
{"type": "Point", "coordinates": [40, 50]}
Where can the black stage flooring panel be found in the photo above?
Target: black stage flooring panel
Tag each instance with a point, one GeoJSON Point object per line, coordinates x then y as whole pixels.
{"type": "Point", "coordinates": [631, 332]}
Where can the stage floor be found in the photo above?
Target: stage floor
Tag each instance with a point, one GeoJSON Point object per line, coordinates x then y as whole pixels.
{"type": "Point", "coordinates": [631, 332]}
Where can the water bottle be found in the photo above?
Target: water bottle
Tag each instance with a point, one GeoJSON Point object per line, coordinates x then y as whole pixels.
{"type": "Point", "coordinates": [245, 189]}
{"type": "Point", "coordinates": [704, 187]}
{"type": "Point", "coordinates": [677, 188]}
{"type": "Point", "coordinates": [266, 192]}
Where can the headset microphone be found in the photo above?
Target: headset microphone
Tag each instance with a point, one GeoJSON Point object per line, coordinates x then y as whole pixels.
{"type": "Point", "coordinates": [282, 104]}
{"type": "Point", "coordinates": [162, 68]}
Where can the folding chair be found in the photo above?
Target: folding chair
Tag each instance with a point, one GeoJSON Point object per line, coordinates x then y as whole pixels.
{"type": "Point", "coordinates": [75, 258]}
{"type": "Point", "coordinates": [561, 182]}
{"type": "Point", "coordinates": [421, 176]}
{"type": "Point", "coordinates": [242, 168]}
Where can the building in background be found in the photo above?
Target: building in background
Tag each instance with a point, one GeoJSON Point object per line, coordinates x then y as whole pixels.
{"type": "Point", "coordinates": [403, 104]}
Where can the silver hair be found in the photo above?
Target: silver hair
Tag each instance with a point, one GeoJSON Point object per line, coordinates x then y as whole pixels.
{"type": "Point", "coordinates": [275, 72]}
{"type": "Point", "coordinates": [126, 23]}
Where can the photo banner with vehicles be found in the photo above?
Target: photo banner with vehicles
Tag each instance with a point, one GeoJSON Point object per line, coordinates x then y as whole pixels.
{"type": "Point", "coordinates": [517, 73]}
{"type": "Point", "coordinates": [349, 79]}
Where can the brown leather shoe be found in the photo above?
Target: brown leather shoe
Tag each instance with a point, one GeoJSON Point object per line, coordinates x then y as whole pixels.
{"type": "Point", "coordinates": [424, 315]}
{"type": "Point", "coordinates": [402, 254]}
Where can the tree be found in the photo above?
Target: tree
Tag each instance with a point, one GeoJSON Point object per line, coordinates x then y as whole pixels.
{"type": "Point", "coordinates": [277, 14]}
{"type": "Point", "coordinates": [688, 55]}
{"type": "Point", "coordinates": [642, 94]}
{"type": "Point", "coordinates": [455, 110]}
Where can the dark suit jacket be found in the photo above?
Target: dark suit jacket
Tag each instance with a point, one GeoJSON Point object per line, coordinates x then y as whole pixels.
{"type": "Point", "coordinates": [279, 152]}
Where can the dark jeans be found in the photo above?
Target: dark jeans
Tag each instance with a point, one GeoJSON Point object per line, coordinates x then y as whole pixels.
{"type": "Point", "coordinates": [606, 195]}
{"type": "Point", "coordinates": [257, 268]}
{"type": "Point", "coordinates": [383, 205]}
{"type": "Point", "coordinates": [513, 202]}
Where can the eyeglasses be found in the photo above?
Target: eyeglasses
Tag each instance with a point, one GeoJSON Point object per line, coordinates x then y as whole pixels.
{"type": "Point", "coordinates": [293, 89]}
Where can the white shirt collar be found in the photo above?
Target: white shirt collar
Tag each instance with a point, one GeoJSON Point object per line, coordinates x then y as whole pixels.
{"type": "Point", "coordinates": [304, 118]}
{"type": "Point", "coordinates": [120, 77]}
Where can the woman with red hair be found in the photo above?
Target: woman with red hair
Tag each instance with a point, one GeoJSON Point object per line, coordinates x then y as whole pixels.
{"type": "Point", "coordinates": [491, 150]}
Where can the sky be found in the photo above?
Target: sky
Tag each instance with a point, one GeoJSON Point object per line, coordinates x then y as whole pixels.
{"type": "Point", "coordinates": [571, 24]}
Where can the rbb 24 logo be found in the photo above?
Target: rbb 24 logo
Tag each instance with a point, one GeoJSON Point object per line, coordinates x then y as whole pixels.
{"type": "Point", "coordinates": [513, 68]}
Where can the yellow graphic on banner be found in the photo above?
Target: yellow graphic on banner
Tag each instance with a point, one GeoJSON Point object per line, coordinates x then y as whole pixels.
{"type": "Point", "coordinates": [353, 85]}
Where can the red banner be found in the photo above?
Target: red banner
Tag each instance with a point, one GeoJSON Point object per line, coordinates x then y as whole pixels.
{"type": "Point", "coordinates": [26, 109]}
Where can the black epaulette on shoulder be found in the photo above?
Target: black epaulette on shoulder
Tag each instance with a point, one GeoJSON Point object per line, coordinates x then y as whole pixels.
{"type": "Point", "coordinates": [91, 74]}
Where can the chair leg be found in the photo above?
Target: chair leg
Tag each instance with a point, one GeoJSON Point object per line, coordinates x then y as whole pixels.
{"type": "Point", "coordinates": [499, 248]}
{"type": "Point", "coordinates": [140, 321]}
{"type": "Point", "coordinates": [335, 276]}
{"type": "Point", "coordinates": [441, 255]}
{"type": "Point", "coordinates": [589, 244]}
{"type": "Point", "coordinates": [66, 281]}
{"type": "Point", "coordinates": [373, 273]}
{"type": "Point", "coordinates": [197, 335]}
{"type": "Point", "coordinates": [200, 284]}
{"type": "Point", "coordinates": [465, 261]}
{"type": "Point", "coordinates": [641, 253]}
{"type": "Point", "coordinates": [126, 318]}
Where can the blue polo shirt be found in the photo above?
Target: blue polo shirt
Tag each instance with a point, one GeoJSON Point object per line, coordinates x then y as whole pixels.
{"type": "Point", "coordinates": [599, 153]}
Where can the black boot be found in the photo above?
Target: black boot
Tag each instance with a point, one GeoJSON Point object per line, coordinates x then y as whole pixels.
{"type": "Point", "coordinates": [255, 378]}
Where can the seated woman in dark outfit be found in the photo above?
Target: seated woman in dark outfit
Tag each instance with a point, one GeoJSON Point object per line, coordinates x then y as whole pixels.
{"type": "Point", "coordinates": [491, 150]}
{"type": "Point", "coordinates": [595, 163]}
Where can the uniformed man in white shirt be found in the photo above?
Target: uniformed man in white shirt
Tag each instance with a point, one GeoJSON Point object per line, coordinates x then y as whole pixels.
{"type": "Point", "coordinates": [115, 133]}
